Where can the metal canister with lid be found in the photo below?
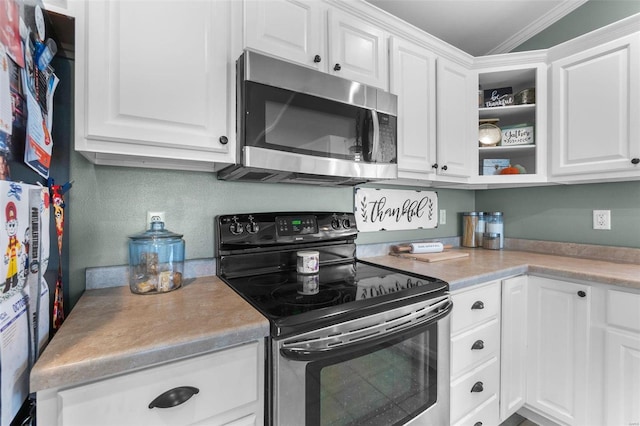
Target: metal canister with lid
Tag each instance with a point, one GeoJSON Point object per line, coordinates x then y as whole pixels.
{"type": "Point", "coordinates": [470, 221]}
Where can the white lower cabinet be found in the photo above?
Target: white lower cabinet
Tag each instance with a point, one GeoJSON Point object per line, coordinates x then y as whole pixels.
{"type": "Point", "coordinates": [220, 388]}
{"type": "Point", "coordinates": [622, 358]}
{"type": "Point", "coordinates": [513, 355]}
{"type": "Point", "coordinates": [559, 352]}
{"type": "Point", "coordinates": [558, 336]}
{"type": "Point", "coordinates": [475, 355]}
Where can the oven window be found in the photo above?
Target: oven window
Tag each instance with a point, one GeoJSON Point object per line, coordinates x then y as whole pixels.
{"type": "Point", "coordinates": [385, 385]}
{"type": "Point", "coordinates": [305, 124]}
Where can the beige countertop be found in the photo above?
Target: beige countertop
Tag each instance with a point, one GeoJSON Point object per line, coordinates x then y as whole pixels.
{"type": "Point", "coordinates": [112, 330]}
{"type": "Point", "coordinates": [485, 265]}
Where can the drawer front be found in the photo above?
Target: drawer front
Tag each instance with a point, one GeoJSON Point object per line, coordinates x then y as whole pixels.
{"type": "Point", "coordinates": [486, 414]}
{"type": "Point", "coordinates": [475, 306]}
{"type": "Point", "coordinates": [475, 346]}
{"type": "Point", "coordinates": [623, 310]}
{"type": "Point", "coordinates": [473, 389]}
{"type": "Point", "coordinates": [226, 380]}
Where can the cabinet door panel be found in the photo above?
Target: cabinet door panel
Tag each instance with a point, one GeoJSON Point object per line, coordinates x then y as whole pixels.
{"type": "Point", "coordinates": [291, 29]}
{"type": "Point", "coordinates": [359, 48]}
{"type": "Point", "coordinates": [157, 77]}
{"type": "Point", "coordinates": [413, 79]}
{"type": "Point", "coordinates": [596, 109]}
{"type": "Point", "coordinates": [513, 358]}
{"type": "Point", "coordinates": [558, 343]}
{"type": "Point", "coordinates": [456, 142]}
{"type": "Point", "coordinates": [622, 375]}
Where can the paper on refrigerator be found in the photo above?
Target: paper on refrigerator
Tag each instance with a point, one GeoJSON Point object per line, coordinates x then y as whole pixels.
{"type": "Point", "coordinates": [14, 299]}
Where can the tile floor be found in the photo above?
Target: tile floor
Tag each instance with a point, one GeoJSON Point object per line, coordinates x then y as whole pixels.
{"type": "Point", "coordinates": [518, 420]}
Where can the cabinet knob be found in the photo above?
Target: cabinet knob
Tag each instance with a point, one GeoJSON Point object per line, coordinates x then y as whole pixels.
{"type": "Point", "coordinates": [317, 59]}
{"type": "Point", "coordinates": [444, 167]}
{"type": "Point", "coordinates": [223, 140]}
{"type": "Point", "coordinates": [434, 166]}
{"type": "Point", "coordinates": [477, 387]}
{"type": "Point", "coordinates": [635, 160]}
{"type": "Point", "coordinates": [478, 344]}
{"type": "Point", "coordinates": [477, 424]}
{"type": "Point", "coordinates": [478, 305]}
{"type": "Point", "coordinates": [582, 293]}
{"type": "Point", "coordinates": [337, 67]}
{"type": "Point", "coordinates": [174, 397]}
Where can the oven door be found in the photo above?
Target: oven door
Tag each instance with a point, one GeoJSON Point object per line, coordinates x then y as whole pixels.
{"type": "Point", "coordinates": [388, 369]}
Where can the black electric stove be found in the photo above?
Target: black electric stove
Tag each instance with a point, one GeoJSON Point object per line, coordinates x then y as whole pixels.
{"type": "Point", "coordinates": [257, 257]}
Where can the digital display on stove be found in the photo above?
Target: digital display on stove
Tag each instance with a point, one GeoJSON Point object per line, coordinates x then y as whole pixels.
{"type": "Point", "coordinates": [296, 225]}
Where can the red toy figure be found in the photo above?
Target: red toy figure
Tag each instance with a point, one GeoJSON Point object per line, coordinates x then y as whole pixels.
{"type": "Point", "coordinates": [13, 248]}
{"type": "Point", "coordinates": [56, 192]}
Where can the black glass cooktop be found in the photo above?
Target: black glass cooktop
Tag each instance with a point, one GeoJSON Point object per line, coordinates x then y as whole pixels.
{"type": "Point", "coordinates": [339, 290]}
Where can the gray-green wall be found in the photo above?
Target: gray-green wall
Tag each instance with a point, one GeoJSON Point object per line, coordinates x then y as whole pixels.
{"type": "Point", "coordinates": [107, 204]}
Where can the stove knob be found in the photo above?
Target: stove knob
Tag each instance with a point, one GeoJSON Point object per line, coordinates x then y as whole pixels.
{"type": "Point", "coordinates": [252, 227]}
{"type": "Point", "coordinates": [335, 224]}
{"type": "Point", "coordinates": [346, 223]}
{"type": "Point", "coordinates": [236, 228]}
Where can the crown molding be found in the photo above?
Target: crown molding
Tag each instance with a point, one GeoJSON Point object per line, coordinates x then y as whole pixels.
{"type": "Point", "coordinates": [537, 26]}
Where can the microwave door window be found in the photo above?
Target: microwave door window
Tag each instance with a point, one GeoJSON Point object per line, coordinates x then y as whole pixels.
{"type": "Point", "coordinates": [305, 124]}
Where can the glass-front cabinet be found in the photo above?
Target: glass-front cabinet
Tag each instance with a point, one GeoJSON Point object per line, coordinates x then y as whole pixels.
{"type": "Point", "coordinates": [512, 123]}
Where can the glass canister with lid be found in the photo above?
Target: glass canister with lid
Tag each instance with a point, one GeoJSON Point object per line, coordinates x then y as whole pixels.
{"type": "Point", "coordinates": [156, 260]}
{"type": "Point", "coordinates": [495, 225]}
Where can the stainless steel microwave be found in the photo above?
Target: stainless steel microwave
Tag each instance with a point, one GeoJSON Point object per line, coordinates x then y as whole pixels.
{"type": "Point", "coordinates": [296, 124]}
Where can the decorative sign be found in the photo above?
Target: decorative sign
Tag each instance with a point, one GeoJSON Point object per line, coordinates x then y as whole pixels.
{"type": "Point", "coordinates": [393, 210]}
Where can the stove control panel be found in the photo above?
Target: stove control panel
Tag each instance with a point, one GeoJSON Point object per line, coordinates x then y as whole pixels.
{"type": "Point", "coordinates": [260, 229]}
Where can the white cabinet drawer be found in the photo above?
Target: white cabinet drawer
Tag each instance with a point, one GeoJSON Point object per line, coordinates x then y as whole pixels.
{"type": "Point", "coordinates": [475, 346]}
{"type": "Point", "coordinates": [623, 309]}
{"type": "Point", "coordinates": [226, 380]}
{"type": "Point", "coordinates": [471, 390]}
{"type": "Point", "coordinates": [485, 415]}
{"type": "Point", "coordinates": [475, 306]}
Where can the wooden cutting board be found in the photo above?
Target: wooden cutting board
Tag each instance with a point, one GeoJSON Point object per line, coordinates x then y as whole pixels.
{"type": "Point", "coordinates": [432, 257]}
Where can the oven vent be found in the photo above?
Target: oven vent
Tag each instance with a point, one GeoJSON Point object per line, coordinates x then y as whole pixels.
{"type": "Point", "coordinates": [369, 327]}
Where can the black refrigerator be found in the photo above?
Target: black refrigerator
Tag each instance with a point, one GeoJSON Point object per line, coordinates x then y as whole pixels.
{"type": "Point", "coordinates": [36, 56]}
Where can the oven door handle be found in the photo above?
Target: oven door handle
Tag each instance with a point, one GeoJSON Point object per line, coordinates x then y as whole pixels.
{"type": "Point", "coordinates": [301, 354]}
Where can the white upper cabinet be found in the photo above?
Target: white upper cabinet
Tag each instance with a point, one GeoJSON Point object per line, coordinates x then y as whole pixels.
{"type": "Point", "coordinates": [317, 35]}
{"type": "Point", "coordinates": [155, 84]}
{"type": "Point", "coordinates": [292, 29]}
{"type": "Point", "coordinates": [524, 123]}
{"type": "Point", "coordinates": [413, 80]}
{"type": "Point", "coordinates": [357, 50]}
{"type": "Point", "coordinates": [456, 129]}
{"type": "Point", "coordinates": [596, 110]}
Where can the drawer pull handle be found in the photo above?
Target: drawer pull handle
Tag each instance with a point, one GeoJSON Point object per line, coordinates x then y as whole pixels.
{"type": "Point", "coordinates": [174, 397]}
{"type": "Point", "coordinates": [478, 387]}
{"type": "Point", "coordinates": [478, 344]}
{"type": "Point", "coordinates": [477, 424]}
{"type": "Point", "coordinates": [478, 305]}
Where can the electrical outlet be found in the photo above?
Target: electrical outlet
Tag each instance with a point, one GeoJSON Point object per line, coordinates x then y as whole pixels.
{"type": "Point", "coordinates": [602, 219]}
{"type": "Point", "coordinates": [154, 216]}
{"type": "Point", "coordinates": [443, 217]}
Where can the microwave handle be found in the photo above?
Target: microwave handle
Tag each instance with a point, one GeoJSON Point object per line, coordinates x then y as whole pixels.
{"type": "Point", "coordinates": [376, 135]}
